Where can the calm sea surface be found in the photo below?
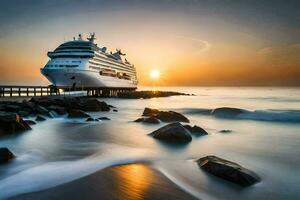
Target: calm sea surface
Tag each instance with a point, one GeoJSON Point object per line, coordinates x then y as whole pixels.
{"type": "Point", "coordinates": [265, 139]}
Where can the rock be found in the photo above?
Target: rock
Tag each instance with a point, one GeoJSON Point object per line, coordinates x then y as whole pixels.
{"type": "Point", "coordinates": [151, 120]}
{"type": "Point", "coordinates": [139, 120]}
{"type": "Point", "coordinates": [41, 110]}
{"type": "Point", "coordinates": [40, 118]}
{"type": "Point", "coordinates": [227, 112]}
{"type": "Point", "coordinates": [225, 131]}
{"type": "Point", "coordinates": [171, 116]}
{"type": "Point", "coordinates": [5, 155]}
{"type": "Point", "coordinates": [30, 122]}
{"type": "Point", "coordinates": [228, 170]}
{"type": "Point", "coordinates": [76, 113]}
{"type": "Point", "coordinates": [23, 113]}
{"type": "Point", "coordinates": [12, 123]}
{"type": "Point", "coordinates": [115, 110]}
{"type": "Point", "coordinates": [92, 105]}
{"type": "Point", "coordinates": [89, 119]}
{"type": "Point", "coordinates": [52, 114]}
{"type": "Point", "coordinates": [58, 109]}
{"type": "Point", "coordinates": [173, 132]}
{"type": "Point", "coordinates": [103, 118]}
{"type": "Point", "coordinates": [150, 112]}
{"type": "Point", "coordinates": [196, 130]}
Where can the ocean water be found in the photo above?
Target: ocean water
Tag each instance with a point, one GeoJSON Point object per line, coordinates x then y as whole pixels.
{"type": "Point", "coordinates": [265, 139]}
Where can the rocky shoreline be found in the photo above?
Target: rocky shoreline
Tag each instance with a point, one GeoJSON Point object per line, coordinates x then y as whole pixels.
{"type": "Point", "coordinates": [175, 128]}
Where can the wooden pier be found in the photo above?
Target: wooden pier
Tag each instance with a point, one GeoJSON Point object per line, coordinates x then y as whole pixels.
{"type": "Point", "coordinates": [31, 91]}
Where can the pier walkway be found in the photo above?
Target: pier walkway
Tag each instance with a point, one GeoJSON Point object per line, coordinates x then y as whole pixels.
{"type": "Point", "coordinates": [30, 91]}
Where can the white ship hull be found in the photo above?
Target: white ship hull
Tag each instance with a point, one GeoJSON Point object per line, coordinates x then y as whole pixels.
{"type": "Point", "coordinates": [67, 78]}
{"type": "Point", "coordinates": [82, 64]}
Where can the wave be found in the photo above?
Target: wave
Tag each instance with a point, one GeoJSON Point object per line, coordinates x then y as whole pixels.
{"type": "Point", "coordinates": [51, 174]}
{"type": "Point", "coordinates": [238, 113]}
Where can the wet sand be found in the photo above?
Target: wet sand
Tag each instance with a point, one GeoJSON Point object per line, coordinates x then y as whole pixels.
{"type": "Point", "coordinates": [130, 182]}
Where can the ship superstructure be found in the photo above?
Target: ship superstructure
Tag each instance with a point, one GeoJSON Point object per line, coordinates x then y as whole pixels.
{"type": "Point", "coordinates": [81, 63]}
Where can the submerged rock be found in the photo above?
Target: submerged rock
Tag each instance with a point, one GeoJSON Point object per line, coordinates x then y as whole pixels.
{"type": "Point", "coordinates": [225, 131]}
{"type": "Point", "coordinates": [103, 118]}
{"type": "Point", "coordinates": [12, 123]}
{"type": "Point", "coordinates": [173, 132]}
{"type": "Point", "coordinates": [196, 130]}
{"type": "Point", "coordinates": [5, 155]}
{"type": "Point", "coordinates": [40, 118]}
{"type": "Point", "coordinates": [30, 122]}
{"type": "Point", "coordinates": [228, 170]}
{"type": "Point", "coordinates": [165, 116]}
{"type": "Point", "coordinates": [76, 113]}
{"type": "Point", "coordinates": [171, 116]}
{"type": "Point", "coordinates": [90, 119]}
{"type": "Point", "coordinates": [150, 120]}
{"type": "Point", "coordinates": [150, 112]}
{"type": "Point", "coordinates": [227, 112]}
{"type": "Point", "coordinates": [58, 109]}
{"type": "Point", "coordinates": [141, 119]}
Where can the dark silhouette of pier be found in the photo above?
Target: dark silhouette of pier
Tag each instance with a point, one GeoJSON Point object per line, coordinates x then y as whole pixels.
{"type": "Point", "coordinates": [31, 91]}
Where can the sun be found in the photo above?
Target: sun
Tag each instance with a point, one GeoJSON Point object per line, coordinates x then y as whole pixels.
{"type": "Point", "coordinates": [154, 74]}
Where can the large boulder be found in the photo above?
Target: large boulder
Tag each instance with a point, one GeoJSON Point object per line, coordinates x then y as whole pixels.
{"type": "Point", "coordinates": [196, 130]}
{"type": "Point", "coordinates": [12, 123]}
{"type": "Point", "coordinates": [228, 170]}
{"type": "Point", "coordinates": [173, 132]}
{"type": "Point", "coordinates": [92, 105]}
{"type": "Point", "coordinates": [227, 112]}
{"type": "Point", "coordinates": [76, 113]}
{"type": "Point", "coordinates": [5, 155]}
{"type": "Point", "coordinates": [149, 120]}
{"type": "Point", "coordinates": [171, 116]}
{"type": "Point", "coordinates": [165, 116]}
{"type": "Point", "coordinates": [150, 111]}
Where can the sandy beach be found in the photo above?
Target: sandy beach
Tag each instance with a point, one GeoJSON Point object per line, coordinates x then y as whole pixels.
{"type": "Point", "coordinates": [131, 181]}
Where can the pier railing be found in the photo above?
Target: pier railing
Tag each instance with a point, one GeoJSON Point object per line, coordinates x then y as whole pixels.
{"type": "Point", "coordinates": [31, 91]}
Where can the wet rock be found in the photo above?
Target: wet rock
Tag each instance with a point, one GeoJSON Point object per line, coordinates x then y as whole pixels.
{"type": "Point", "coordinates": [58, 109]}
{"type": "Point", "coordinates": [228, 170]}
{"type": "Point", "coordinates": [103, 118]}
{"type": "Point", "coordinates": [93, 105]}
{"type": "Point", "coordinates": [150, 112]}
{"type": "Point", "coordinates": [5, 155]}
{"type": "Point", "coordinates": [225, 131]}
{"type": "Point", "coordinates": [151, 120]}
{"type": "Point", "coordinates": [115, 110]}
{"type": "Point", "coordinates": [52, 114]}
{"type": "Point", "coordinates": [76, 113]}
{"type": "Point", "coordinates": [41, 110]}
{"type": "Point", "coordinates": [227, 112]}
{"type": "Point", "coordinates": [171, 116]}
{"type": "Point", "coordinates": [165, 116]}
{"type": "Point", "coordinates": [12, 123]}
{"type": "Point", "coordinates": [23, 113]}
{"type": "Point", "coordinates": [30, 122]}
{"type": "Point", "coordinates": [89, 119]}
{"type": "Point", "coordinates": [196, 130]}
{"type": "Point", "coordinates": [40, 118]}
{"type": "Point", "coordinates": [173, 132]}
{"type": "Point", "coordinates": [141, 119]}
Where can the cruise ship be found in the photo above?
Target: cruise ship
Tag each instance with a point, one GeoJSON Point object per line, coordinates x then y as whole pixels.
{"type": "Point", "coordinates": [82, 64]}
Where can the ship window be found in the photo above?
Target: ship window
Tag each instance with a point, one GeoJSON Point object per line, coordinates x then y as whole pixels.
{"type": "Point", "coordinates": [61, 66]}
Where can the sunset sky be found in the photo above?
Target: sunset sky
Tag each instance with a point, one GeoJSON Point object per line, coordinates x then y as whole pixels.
{"type": "Point", "coordinates": [191, 42]}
